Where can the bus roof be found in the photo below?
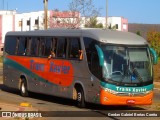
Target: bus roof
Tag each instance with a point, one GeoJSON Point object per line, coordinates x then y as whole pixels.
{"type": "Point", "coordinates": [107, 36]}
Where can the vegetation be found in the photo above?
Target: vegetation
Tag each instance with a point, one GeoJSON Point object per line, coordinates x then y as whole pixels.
{"type": "Point", "coordinates": [154, 40]}
{"type": "Point", "coordinates": [138, 33]}
{"type": "Point", "coordinates": [112, 27]}
{"type": "Point", "coordinates": [93, 23]}
{"type": "Point", "coordinates": [1, 59]}
{"type": "Point", "coordinates": [84, 8]}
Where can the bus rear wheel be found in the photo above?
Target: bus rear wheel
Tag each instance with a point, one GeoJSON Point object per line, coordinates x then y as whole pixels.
{"type": "Point", "coordinates": [80, 98]}
{"type": "Point", "coordinates": [23, 88]}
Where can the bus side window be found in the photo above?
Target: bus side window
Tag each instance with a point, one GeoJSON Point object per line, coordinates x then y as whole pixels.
{"type": "Point", "coordinates": [61, 49]}
{"type": "Point", "coordinates": [10, 45]}
{"type": "Point", "coordinates": [22, 46]}
{"type": "Point", "coordinates": [53, 48]}
{"type": "Point", "coordinates": [28, 51]}
{"type": "Point", "coordinates": [74, 48]}
{"type": "Point", "coordinates": [42, 47]}
{"type": "Point", "coordinates": [34, 46]}
{"type": "Point", "coordinates": [18, 39]}
{"type": "Point", "coordinates": [92, 57]}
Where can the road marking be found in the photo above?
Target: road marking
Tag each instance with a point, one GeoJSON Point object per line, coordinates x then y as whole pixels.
{"type": "Point", "coordinates": [25, 104]}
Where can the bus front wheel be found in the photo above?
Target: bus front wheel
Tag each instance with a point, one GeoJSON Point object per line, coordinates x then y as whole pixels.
{"type": "Point", "coordinates": [23, 88]}
{"type": "Point", "coordinates": [80, 98]}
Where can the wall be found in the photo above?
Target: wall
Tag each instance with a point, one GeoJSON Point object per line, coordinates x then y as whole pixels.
{"type": "Point", "coordinates": [21, 21]}
{"type": "Point", "coordinates": [6, 24]}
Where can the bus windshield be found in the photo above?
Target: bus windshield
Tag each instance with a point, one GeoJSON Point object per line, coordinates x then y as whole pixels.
{"type": "Point", "coordinates": [127, 65]}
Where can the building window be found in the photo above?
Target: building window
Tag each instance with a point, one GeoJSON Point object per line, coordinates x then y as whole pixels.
{"type": "Point", "coordinates": [28, 22]}
{"type": "Point", "coordinates": [124, 27]}
{"type": "Point", "coordinates": [116, 26]}
{"type": "Point", "coordinates": [36, 22]}
{"type": "Point", "coordinates": [20, 23]}
{"type": "Point", "coordinates": [58, 22]}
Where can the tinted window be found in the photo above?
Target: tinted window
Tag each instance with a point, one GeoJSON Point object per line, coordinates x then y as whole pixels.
{"type": "Point", "coordinates": [10, 45]}
{"type": "Point", "coordinates": [54, 47]}
{"type": "Point", "coordinates": [61, 50]}
{"type": "Point", "coordinates": [45, 47]}
{"type": "Point", "coordinates": [42, 47]}
{"type": "Point", "coordinates": [92, 57]}
{"type": "Point", "coordinates": [74, 47]}
{"type": "Point", "coordinates": [48, 47]}
{"type": "Point", "coordinates": [22, 46]}
{"type": "Point", "coordinates": [34, 46]}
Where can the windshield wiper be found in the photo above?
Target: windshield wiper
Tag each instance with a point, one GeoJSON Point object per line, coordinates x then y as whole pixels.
{"type": "Point", "coordinates": [134, 71]}
{"type": "Point", "coordinates": [131, 73]}
{"type": "Point", "coordinates": [137, 74]}
{"type": "Point", "coordinates": [126, 74]}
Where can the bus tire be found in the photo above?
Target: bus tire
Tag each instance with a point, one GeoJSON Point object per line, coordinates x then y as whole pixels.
{"type": "Point", "coordinates": [80, 98]}
{"type": "Point", "coordinates": [23, 88]}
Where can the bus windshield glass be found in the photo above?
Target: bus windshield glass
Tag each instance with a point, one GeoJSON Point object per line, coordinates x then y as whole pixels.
{"type": "Point", "coordinates": [127, 65]}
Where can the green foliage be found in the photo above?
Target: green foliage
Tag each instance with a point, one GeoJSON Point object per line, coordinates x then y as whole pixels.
{"type": "Point", "coordinates": [154, 40]}
{"type": "Point", "coordinates": [138, 33]}
{"type": "Point", "coordinates": [1, 59]}
{"type": "Point", "coordinates": [112, 27]}
{"type": "Point", "coordinates": [93, 23]}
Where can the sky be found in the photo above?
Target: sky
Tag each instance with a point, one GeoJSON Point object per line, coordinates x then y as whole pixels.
{"type": "Point", "coordinates": [136, 11]}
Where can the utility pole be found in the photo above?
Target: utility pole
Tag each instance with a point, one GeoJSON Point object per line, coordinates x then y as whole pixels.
{"type": "Point", "coordinates": [106, 13]}
{"type": "Point", "coordinates": [45, 14]}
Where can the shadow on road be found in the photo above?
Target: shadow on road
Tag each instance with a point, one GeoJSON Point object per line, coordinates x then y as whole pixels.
{"type": "Point", "coordinates": [67, 102]}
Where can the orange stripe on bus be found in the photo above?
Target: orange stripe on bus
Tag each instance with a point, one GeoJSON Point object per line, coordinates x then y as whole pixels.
{"type": "Point", "coordinates": [107, 98]}
{"type": "Point", "coordinates": [59, 72]}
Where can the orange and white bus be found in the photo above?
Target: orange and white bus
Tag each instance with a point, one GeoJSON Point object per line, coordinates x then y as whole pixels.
{"type": "Point", "coordinates": [88, 65]}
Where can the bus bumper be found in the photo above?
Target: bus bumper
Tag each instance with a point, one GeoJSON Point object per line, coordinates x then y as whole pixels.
{"type": "Point", "coordinates": [107, 98]}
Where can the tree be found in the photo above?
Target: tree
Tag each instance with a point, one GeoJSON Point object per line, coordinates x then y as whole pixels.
{"type": "Point", "coordinates": [112, 27]}
{"type": "Point", "coordinates": [77, 8]}
{"type": "Point", "coordinates": [93, 23]}
{"type": "Point", "coordinates": [138, 33]}
{"type": "Point", "coordinates": [154, 40]}
{"type": "Point", "coordinates": [85, 7]}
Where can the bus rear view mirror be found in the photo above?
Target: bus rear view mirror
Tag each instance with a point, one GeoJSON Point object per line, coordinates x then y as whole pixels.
{"type": "Point", "coordinates": [154, 55]}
